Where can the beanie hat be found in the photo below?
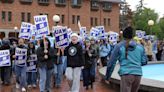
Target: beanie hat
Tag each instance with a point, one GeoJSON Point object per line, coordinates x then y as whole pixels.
{"type": "Point", "coordinates": [74, 35]}
{"type": "Point", "coordinates": [128, 33]}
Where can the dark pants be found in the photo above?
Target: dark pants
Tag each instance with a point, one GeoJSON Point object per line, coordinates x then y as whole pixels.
{"type": "Point", "coordinates": [149, 57]}
{"type": "Point", "coordinates": [104, 61]}
{"type": "Point", "coordinates": [130, 83]}
{"type": "Point", "coordinates": [6, 74]}
{"type": "Point", "coordinates": [88, 77]}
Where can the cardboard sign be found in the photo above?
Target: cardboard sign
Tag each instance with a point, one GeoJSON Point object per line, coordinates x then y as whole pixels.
{"type": "Point", "coordinates": [140, 34]}
{"type": "Point", "coordinates": [41, 23]}
{"type": "Point", "coordinates": [5, 58]}
{"type": "Point", "coordinates": [113, 37]}
{"type": "Point", "coordinates": [94, 32]}
{"type": "Point", "coordinates": [83, 32]}
{"type": "Point", "coordinates": [21, 56]}
{"type": "Point", "coordinates": [25, 30]}
{"type": "Point", "coordinates": [61, 36]}
{"type": "Point", "coordinates": [101, 31]}
{"type": "Point", "coordinates": [31, 63]}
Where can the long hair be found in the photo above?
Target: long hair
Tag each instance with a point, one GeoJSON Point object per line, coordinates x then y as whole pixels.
{"type": "Point", "coordinates": [42, 43]}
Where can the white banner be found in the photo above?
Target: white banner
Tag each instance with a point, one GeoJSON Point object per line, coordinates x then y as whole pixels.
{"type": "Point", "coordinates": [25, 30]}
{"type": "Point", "coordinates": [21, 56]}
{"type": "Point", "coordinates": [42, 26]}
{"type": "Point", "coordinates": [5, 58]}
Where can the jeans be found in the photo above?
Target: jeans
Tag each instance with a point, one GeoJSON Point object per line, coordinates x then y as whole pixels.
{"type": "Point", "coordinates": [73, 75]}
{"type": "Point", "coordinates": [58, 71]}
{"type": "Point", "coordinates": [94, 68]}
{"type": "Point", "coordinates": [21, 75]}
{"type": "Point", "coordinates": [31, 78]}
{"type": "Point", "coordinates": [88, 78]}
{"type": "Point", "coordinates": [64, 59]}
{"type": "Point", "coordinates": [45, 78]}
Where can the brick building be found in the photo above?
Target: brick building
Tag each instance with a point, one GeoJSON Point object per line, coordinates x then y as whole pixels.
{"type": "Point", "coordinates": [89, 12]}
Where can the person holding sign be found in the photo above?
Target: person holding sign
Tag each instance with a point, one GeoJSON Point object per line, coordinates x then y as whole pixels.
{"type": "Point", "coordinates": [45, 64]}
{"type": "Point", "coordinates": [20, 64]}
{"type": "Point", "coordinates": [5, 62]}
{"type": "Point", "coordinates": [75, 62]}
{"type": "Point", "coordinates": [31, 66]}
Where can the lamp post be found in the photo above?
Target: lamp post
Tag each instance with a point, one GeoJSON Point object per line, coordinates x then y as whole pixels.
{"type": "Point", "coordinates": [15, 29]}
{"type": "Point", "coordinates": [56, 19]}
{"type": "Point", "coordinates": [150, 23]}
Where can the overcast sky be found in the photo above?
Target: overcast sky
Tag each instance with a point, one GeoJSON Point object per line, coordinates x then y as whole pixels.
{"type": "Point", "coordinates": [157, 5]}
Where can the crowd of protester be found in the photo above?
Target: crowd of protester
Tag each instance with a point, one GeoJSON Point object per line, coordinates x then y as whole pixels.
{"type": "Point", "coordinates": [78, 59]}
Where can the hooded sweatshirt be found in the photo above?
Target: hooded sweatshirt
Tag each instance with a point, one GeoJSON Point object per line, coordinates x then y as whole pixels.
{"type": "Point", "coordinates": [131, 64]}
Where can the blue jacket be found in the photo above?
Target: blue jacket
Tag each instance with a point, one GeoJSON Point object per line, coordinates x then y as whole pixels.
{"type": "Point", "coordinates": [136, 57]}
{"type": "Point", "coordinates": [104, 50]}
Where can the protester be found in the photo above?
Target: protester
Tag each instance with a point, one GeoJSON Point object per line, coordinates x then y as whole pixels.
{"type": "Point", "coordinates": [104, 50]}
{"type": "Point", "coordinates": [154, 49]}
{"type": "Point", "coordinates": [45, 55]}
{"type": "Point", "coordinates": [148, 50]}
{"type": "Point", "coordinates": [131, 56]}
{"type": "Point", "coordinates": [20, 67]}
{"type": "Point", "coordinates": [31, 75]}
{"type": "Point", "coordinates": [159, 51]}
{"type": "Point", "coordinates": [75, 62]}
{"type": "Point", "coordinates": [6, 70]}
{"type": "Point", "coordinates": [90, 56]}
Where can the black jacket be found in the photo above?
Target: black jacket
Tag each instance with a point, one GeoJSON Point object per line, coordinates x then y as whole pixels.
{"type": "Point", "coordinates": [42, 61]}
{"type": "Point", "coordinates": [89, 60]}
{"type": "Point", "coordinates": [75, 57]}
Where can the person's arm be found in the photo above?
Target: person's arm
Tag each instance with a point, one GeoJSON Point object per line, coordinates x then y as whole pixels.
{"type": "Point", "coordinates": [112, 62]}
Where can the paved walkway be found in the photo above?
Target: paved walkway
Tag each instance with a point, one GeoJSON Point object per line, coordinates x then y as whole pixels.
{"type": "Point", "coordinates": [99, 86]}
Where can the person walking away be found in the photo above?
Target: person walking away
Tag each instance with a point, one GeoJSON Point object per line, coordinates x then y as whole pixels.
{"type": "Point", "coordinates": [131, 57]}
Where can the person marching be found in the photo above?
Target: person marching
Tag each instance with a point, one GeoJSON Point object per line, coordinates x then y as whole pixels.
{"type": "Point", "coordinates": [131, 57]}
{"type": "Point", "coordinates": [90, 56]}
{"type": "Point", "coordinates": [31, 75]}
{"type": "Point", "coordinates": [75, 62]}
{"type": "Point", "coordinates": [20, 65]}
{"type": "Point", "coordinates": [45, 55]}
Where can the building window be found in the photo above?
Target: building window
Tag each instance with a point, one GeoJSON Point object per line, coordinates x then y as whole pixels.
{"type": "Point", "coordinates": [62, 17]}
{"type": "Point", "coordinates": [104, 21]}
{"type": "Point", "coordinates": [94, 5]}
{"type": "Point", "coordinates": [96, 22]}
{"type": "Point", "coordinates": [91, 21]}
{"type": "Point", "coordinates": [73, 19]}
{"type": "Point", "coordinates": [9, 16]}
{"type": "Point", "coordinates": [78, 18]}
{"type": "Point", "coordinates": [23, 16]}
{"type": "Point", "coordinates": [7, 1]}
{"type": "Point", "coordinates": [43, 2]}
{"type": "Point", "coordinates": [107, 6]}
{"type": "Point", "coordinates": [108, 21]}
{"type": "Point", "coordinates": [60, 2]}
{"type": "Point", "coordinates": [76, 2]}
{"type": "Point", "coordinates": [3, 16]}
{"type": "Point", "coordinates": [28, 17]}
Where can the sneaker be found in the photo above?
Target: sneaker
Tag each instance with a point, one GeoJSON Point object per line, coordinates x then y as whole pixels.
{"type": "Point", "coordinates": [17, 86]}
{"type": "Point", "coordinates": [29, 86]}
{"type": "Point", "coordinates": [34, 86]}
{"type": "Point", "coordinates": [23, 90]}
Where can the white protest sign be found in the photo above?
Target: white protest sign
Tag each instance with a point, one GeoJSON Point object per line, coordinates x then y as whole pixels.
{"type": "Point", "coordinates": [25, 30]}
{"type": "Point", "coordinates": [140, 34]}
{"type": "Point", "coordinates": [94, 32]}
{"type": "Point", "coordinates": [101, 31]}
{"type": "Point", "coordinates": [5, 58]}
{"type": "Point", "coordinates": [61, 36]}
{"type": "Point", "coordinates": [83, 31]}
{"type": "Point", "coordinates": [113, 37]}
{"type": "Point", "coordinates": [42, 26]}
{"type": "Point", "coordinates": [31, 63]}
{"type": "Point", "coordinates": [21, 56]}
